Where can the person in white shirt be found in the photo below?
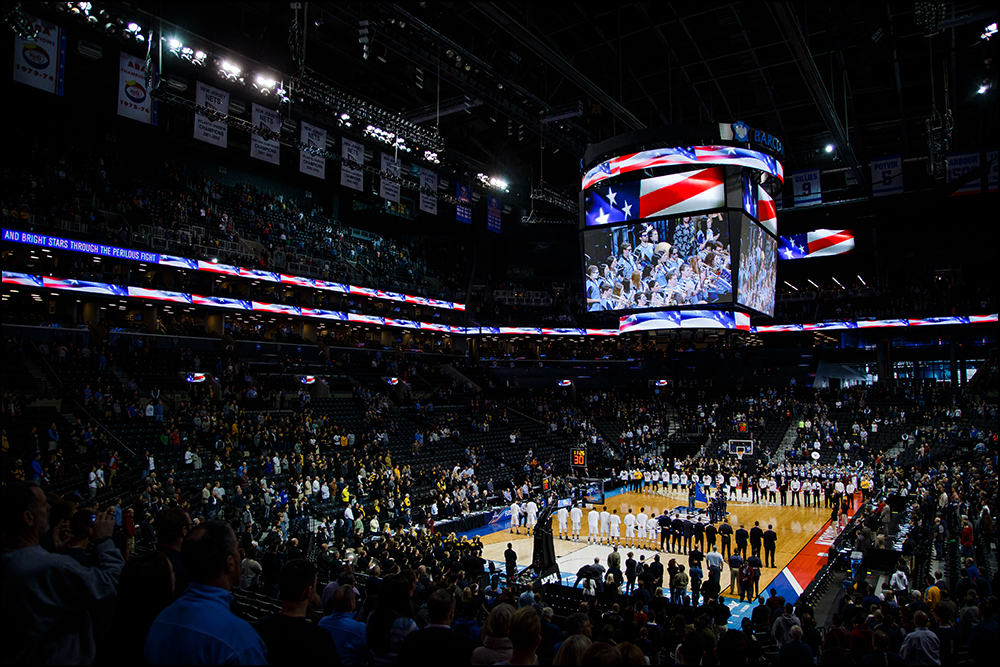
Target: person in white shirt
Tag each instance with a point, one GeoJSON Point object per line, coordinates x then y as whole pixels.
{"type": "Point", "coordinates": [593, 521]}
{"type": "Point", "coordinates": [806, 492]}
{"type": "Point", "coordinates": [515, 518]}
{"type": "Point", "coordinates": [734, 483]}
{"type": "Point", "coordinates": [772, 491]}
{"type": "Point", "coordinates": [684, 483]}
{"type": "Point", "coordinates": [562, 515]}
{"type": "Point", "coordinates": [647, 477]}
{"type": "Point", "coordinates": [605, 524]}
{"type": "Point", "coordinates": [655, 478]}
{"type": "Point", "coordinates": [794, 486]}
{"type": "Point", "coordinates": [675, 480]}
{"type": "Point", "coordinates": [531, 511]}
{"type": "Point", "coordinates": [576, 516]}
{"type": "Point", "coordinates": [652, 530]}
{"type": "Point", "coordinates": [640, 523]}
{"type": "Point", "coordinates": [614, 525]}
{"type": "Point", "coordinates": [629, 528]}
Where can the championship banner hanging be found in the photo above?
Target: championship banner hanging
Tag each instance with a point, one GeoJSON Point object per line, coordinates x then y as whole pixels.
{"type": "Point", "coordinates": [353, 153]}
{"type": "Point", "coordinates": [807, 188]}
{"type": "Point", "coordinates": [463, 213]}
{"type": "Point", "coordinates": [206, 129]}
{"type": "Point", "coordinates": [389, 189]}
{"type": "Point", "coordinates": [428, 181]}
{"type": "Point", "coordinates": [309, 163]}
{"type": "Point", "coordinates": [42, 63]}
{"type": "Point", "coordinates": [267, 150]}
{"type": "Point", "coordinates": [493, 214]}
{"type": "Point", "coordinates": [887, 176]}
{"type": "Point", "coordinates": [134, 101]}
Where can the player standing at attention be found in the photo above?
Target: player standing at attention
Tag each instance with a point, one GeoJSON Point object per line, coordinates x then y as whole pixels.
{"type": "Point", "coordinates": [562, 515]}
{"type": "Point", "coordinates": [515, 517]}
{"type": "Point", "coordinates": [655, 478]}
{"type": "Point", "coordinates": [641, 524]}
{"type": "Point", "coordinates": [614, 524]}
{"type": "Point", "coordinates": [794, 487]}
{"type": "Point", "coordinates": [629, 528]}
{"type": "Point", "coordinates": [605, 525]}
{"type": "Point", "coordinates": [531, 510]}
{"type": "Point", "coordinates": [593, 520]}
{"type": "Point", "coordinates": [576, 516]}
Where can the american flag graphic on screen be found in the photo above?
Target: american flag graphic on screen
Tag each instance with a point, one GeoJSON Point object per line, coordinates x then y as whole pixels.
{"type": "Point", "coordinates": [673, 194]}
{"type": "Point", "coordinates": [695, 155]}
{"type": "Point", "coordinates": [767, 212]}
{"type": "Point", "coordinates": [820, 243]}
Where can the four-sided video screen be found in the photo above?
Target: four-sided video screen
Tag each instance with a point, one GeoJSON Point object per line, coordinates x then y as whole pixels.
{"type": "Point", "coordinates": [757, 271]}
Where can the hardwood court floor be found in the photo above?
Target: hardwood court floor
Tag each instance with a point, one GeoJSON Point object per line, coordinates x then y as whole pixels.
{"type": "Point", "coordinates": [795, 527]}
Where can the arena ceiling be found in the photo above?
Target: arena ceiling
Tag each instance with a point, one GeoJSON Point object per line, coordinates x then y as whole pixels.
{"type": "Point", "coordinates": [514, 77]}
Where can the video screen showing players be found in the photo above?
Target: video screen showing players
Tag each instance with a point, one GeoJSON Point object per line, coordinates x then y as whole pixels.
{"type": "Point", "coordinates": [757, 268]}
{"type": "Point", "coordinates": [663, 263]}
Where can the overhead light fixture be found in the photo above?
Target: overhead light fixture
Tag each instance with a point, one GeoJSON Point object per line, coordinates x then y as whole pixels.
{"type": "Point", "coordinates": [792, 286]}
{"type": "Point", "coordinates": [862, 281]}
{"type": "Point", "coordinates": [809, 280]}
{"type": "Point", "coordinates": [991, 30]}
{"type": "Point", "coordinates": [984, 86]}
{"type": "Point", "coordinates": [175, 44]}
{"type": "Point", "coordinates": [829, 148]}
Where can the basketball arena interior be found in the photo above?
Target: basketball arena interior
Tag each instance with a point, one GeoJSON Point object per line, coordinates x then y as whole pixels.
{"type": "Point", "coordinates": [500, 333]}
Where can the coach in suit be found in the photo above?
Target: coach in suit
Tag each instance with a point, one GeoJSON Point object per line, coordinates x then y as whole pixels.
{"type": "Point", "coordinates": [742, 536]}
{"type": "Point", "coordinates": [756, 538]}
{"type": "Point", "coordinates": [437, 643]}
{"type": "Point", "coordinates": [770, 542]}
{"type": "Point", "coordinates": [725, 537]}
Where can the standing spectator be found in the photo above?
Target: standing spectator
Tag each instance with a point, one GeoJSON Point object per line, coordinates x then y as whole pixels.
{"type": "Point", "coordinates": [437, 643]}
{"type": "Point", "coordinates": [199, 628]}
{"type": "Point", "coordinates": [391, 620]}
{"type": "Point", "coordinates": [921, 647]}
{"type": "Point", "coordinates": [49, 599]}
{"type": "Point", "coordinates": [352, 648]}
{"type": "Point", "coordinates": [525, 636]}
{"type": "Point", "coordinates": [290, 637]}
{"type": "Point", "coordinates": [146, 588]}
{"type": "Point", "coordinates": [781, 629]}
{"type": "Point", "coordinates": [794, 652]}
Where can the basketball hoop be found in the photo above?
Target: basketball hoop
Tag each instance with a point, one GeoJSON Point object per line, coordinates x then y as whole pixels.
{"type": "Point", "coordinates": [739, 454]}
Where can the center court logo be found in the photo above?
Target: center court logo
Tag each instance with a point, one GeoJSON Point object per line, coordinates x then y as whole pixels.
{"type": "Point", "coordinates": [135, 91]}
{"type": "Point", "coordinates": [35, 56]}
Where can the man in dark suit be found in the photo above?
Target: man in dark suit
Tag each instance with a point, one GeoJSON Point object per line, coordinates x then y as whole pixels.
{"type": "Point", "coordinates": [664, 521]}
{"type": "Point", "coordinates": [510, 560]}
{"type": "Point", "coordinates": [677, 532]}
{"type": "Point", "coordinates": [710, 534]}
{"type": "Point", "coordinates": [630, 573]}
{"type": "Point", "coordinates": [756, 538]}
{"type": "Point", "coordinates": [742, 536]}
{"type": "Point", "coordinates": [437, 643]}
{"type": "Point", "coordinates": [770, 542]}
{"type": "Point", "coordinates": [726, 538]}
{"type": "Point", "coordinates": [688, 528]}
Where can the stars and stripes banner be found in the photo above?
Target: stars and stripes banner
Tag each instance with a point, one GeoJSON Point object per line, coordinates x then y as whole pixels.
{"type": "Point", "coordinates": [42, 63]}
{"type": "Point", "coordinates": [196, 377]}
{"type": "Point", "coordinates": [673, 194]}
{"type": "Point", "coordinates": [807, 188]}
{"type": "Point", "coordinates": [463, 212]}
{"type": "Point", "coordinates": [750, 202]}
{"type": "Point", "coordinates": [493, 214]}
{"type": "Point", "coordinates": [134, 100]}
{"type": "Point", "coordinates": [684, 319]}
{"type": "Point", "coordinates": [820, 243]}
{"type": "Point", "coordinates": [694, 155]}
{"type": "Point", "coordinates": [767, 210]}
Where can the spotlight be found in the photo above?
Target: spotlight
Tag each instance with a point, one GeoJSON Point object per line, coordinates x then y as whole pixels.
{"type": "Point", "coordinates": [265, 82]}
{"type": "Point", "coordinates": [829, 148]}
{"type": "Point", "coordinates": [174, 44]}
{"type": "Point", "coordinates": [984, 86]}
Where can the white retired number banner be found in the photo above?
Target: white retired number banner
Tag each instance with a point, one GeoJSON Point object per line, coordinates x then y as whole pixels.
{"type": "Point", "coordinates": [389, 189]}
{"type": "Point", "coordinates": [806, 188]}
{"type": "Point", "coordinates": [267, 150]}
{"type": "Point", "coordinates": [310, 163]}
{"type": "Point", "coordinates": [428, 181]}
{"type": "Point", "coordinates": [887, 176]}
{"type": "Point", "coordinates": [353, 153]}
{"type": "Point", "coordinates": [41, 64]}
{"type": "Point", "coordinates": [134, 101]}
{"type": "Point", "coordinates": [211, 131]}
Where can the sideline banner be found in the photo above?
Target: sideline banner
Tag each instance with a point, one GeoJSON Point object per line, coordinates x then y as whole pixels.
{"type": "Point", "coordinates": [211, 131]}
{"type": "Point", "coordinates": [41, 64]}
{"type": "Point", "coordinates": [267, 150]}
{"type": "Point", "coordinates": [134, 101]}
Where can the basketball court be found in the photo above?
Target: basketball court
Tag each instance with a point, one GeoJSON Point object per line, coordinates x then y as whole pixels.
{"type": "Point", "coordinates": [795, 526]}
